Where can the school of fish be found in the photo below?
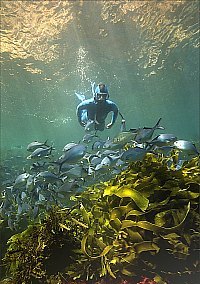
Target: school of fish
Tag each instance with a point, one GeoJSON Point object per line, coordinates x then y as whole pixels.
{"type": "Point", "coordinates": [47, 178]}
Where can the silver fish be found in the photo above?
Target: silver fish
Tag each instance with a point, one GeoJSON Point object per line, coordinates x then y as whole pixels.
{"type": "Point", "coordinates": [90, 170]}
{"type": "Point", "coordinates": [37, 166]}
{"type": "Point", "coordinates": [164, 140]}
{"type": "Point", "coordinates": [34, 145]}
{"type": "Point", "coordinates": [30, 183]}
{"type": "Point", "coordinates": [187, 147]}
{"type": "Point", "coordinates": [88, 137]}
{"type": "Point", "coordinates": [107, 162]}
{"type": "Point", "coordinates": [69, 146]}
{"type": "Point", "coordinates": [41, 153]}
{"type": "Point", "coordinates": [21, 180]}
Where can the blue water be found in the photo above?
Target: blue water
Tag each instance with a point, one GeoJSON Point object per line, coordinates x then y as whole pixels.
{"type": "Point", "coordinates": [146, 52]}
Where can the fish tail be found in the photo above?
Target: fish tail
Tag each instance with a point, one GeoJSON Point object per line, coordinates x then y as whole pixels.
{"type": "Point", "coordinates": [157, 126]}
{"type": "Point", "coordinates": [59, 170]}
{"type": "Point", "coordinates": [93, 146]}
{"type": "Point", "coordinates": [51, 148]}
{"type": "Point", "coordinates": [58, 164]}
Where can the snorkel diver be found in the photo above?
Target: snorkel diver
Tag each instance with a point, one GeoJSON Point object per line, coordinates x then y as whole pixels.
{"type": "Point", "coordinates": [93, 112]}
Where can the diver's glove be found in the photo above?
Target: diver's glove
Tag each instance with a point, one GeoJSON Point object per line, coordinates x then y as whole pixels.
{"type": "Point", "coordinates": [109, 125]}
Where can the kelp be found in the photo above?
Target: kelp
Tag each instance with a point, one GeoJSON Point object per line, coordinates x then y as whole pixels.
{"type": "Point", "coordinates": [127, 226]}
{"type": "Point", "coordinates": [41, 249]}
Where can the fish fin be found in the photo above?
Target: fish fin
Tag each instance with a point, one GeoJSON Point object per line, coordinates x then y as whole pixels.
{"type": "Point", "coordinates": [122, 117]}
{"type": "Point", "coordinates": [134, 130]}
{"type": "Point", "coordinates": [147, 127]}
{"type": "Point", "coordinates": [45, 142]}
{"type": "Point", "coordinates": [157, 124]}
{"type": "Point", "coordinates": [153, 139]}
{"type": "Point", "coordinates": [123, 125]}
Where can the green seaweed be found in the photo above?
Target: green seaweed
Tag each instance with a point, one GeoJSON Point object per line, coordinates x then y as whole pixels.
{"type": "Point", "coordinates": [126, 226]}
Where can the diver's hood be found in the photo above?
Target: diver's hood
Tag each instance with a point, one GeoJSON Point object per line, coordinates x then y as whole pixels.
{"type": "Point", "coordinates": [101, 89]}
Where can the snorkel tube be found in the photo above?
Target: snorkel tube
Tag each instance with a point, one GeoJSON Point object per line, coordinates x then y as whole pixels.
{"type": "Point", "coordinates": [93, 89]}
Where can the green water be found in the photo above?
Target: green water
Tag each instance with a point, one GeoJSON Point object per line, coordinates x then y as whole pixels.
{"type": "Point", "coordinates": [147, 52]}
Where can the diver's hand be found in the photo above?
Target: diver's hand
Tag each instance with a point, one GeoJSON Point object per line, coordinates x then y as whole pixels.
{"type": "Point", "coordinates": [83, 124]}
{"type": "Point", "coordinates": [109, 125]}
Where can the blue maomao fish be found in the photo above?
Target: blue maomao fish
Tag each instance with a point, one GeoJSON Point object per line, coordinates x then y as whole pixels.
{"type": "Point", "coordinates": [133, 154]}
{"type": "Point", "coordinates": [76, 171]}
{"type": "Point", "coordinates": [73, 155]}
{"type": "Point", "coordinates": [47, 177]}
{"type": "Point", "coordinates": [68, 186]}
{"type": "Point", "coordinates": [145, 134]}
{"type": "Point", "coordinates": [34, 145]}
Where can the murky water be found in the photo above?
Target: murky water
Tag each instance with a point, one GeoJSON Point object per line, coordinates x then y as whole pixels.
{"type": "Point", "coordinates": [147, 52]}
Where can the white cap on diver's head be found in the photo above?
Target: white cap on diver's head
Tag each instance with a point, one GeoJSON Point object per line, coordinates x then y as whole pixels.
{"type": "Point", "coordinates": [101, 92]}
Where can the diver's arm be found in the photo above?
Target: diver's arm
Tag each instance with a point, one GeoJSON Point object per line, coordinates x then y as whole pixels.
{"type": "Point", "coordinates": [79, 110]}
{"type": "Point", "coordinates": [115, 112]}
